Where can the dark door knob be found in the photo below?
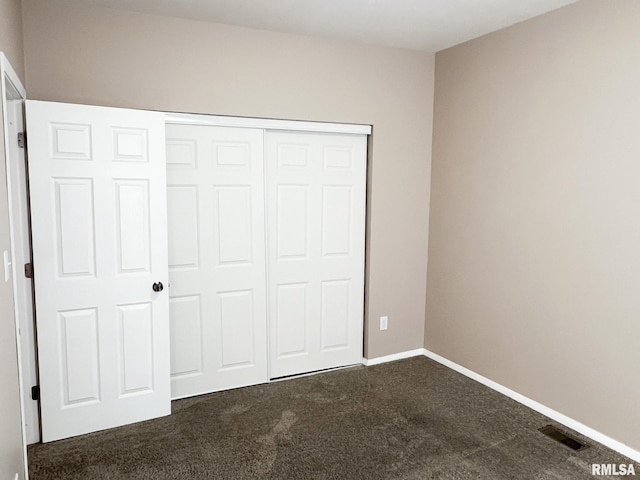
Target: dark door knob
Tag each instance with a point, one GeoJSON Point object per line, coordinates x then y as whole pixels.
{"type": "Point", "coordinates": [158, 287]}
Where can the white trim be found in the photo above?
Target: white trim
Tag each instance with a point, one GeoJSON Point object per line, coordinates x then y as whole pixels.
{"type": "Point", "coordinates": [569, 422]}
{"type": "Point", "coordinates": [543, 409]}
{"type": "Point", "coordinates": [266, 123]}
{"type": "Point", "coordinates": [270, 380]}
{"type": "Point", "coordinates": [393, 357]}
{"type": "Point", "coordinates": [8, 74]}
{"type": "Point", "coordinates": [311, 374]}
{"type": "Point", "coordinates": [11, 75]}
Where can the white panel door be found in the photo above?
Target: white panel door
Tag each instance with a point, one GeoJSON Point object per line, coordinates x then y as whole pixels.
{"type": "Point", "coordinates": [98, 210]}
{"type": "Point", "coordinates": [215, 197]}
{"type": "Point", "coordinates": [316, 230]}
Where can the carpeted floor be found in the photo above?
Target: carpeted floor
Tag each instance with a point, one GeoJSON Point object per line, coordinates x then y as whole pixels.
{"type": "Point", "coordinates": [411, 419]}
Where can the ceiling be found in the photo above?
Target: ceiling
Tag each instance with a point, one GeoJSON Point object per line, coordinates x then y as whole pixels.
{"type": "Point", "coordinates": [428, 25]}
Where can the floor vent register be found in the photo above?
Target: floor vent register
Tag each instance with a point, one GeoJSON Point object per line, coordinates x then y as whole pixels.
{"type": "Point", "coordinates": [557, 435]}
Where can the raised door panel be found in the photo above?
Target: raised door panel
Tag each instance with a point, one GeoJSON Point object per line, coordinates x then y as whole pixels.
{"type": "Point", "coordinates": [135, 324]}
{"type": "Point", "coordinates": [236, 329]}
{"type": "Point", "coordinates": [79, 357]}
{"type": "Point", "coordinates": [292, 221]}
{"type": "Point", "coordinates": [335, 314]}
{"type": "Point", "coordinates": [130, 144]}
{"type": "Point", "coordinates": [232, 224]}
{"type": "Point", "coordinates": [132, 226]}
{"type": "Point", "coordinates": [75, 227]}
{"type": "Point", "coordinates": [182, 217]}
{"type": "Point", "coordinates": [292, 313]}
{"type": "Point", "coordinates": [181, 153]}
{"type": "Point", "coordinates": [217, 259]}
{"type": "Point", "coordinates": [186, 336]}
{"type": "Point", "coordinates": [231, 155]}
{"type": "Point", "coordinates": [70, 141]}
{"type": "Point", "coordinates": [336, 220]}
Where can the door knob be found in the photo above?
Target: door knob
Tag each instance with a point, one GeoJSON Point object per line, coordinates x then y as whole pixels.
{"type": "Point", "coordinates": [158, 287]}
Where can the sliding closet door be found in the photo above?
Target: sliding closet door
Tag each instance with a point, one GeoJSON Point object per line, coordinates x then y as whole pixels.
{"type": "Point", "coordinates": [215, 197]}
{"type": "Point", "coordinates": [316, 231]}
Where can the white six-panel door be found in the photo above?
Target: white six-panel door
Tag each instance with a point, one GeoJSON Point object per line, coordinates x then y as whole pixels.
{"type": "Point", "coordinates": [216, 258]}
{"type": "Point", "coordinates": [316, 231]}
{"type": "Point", "coordinates": [98, 211]}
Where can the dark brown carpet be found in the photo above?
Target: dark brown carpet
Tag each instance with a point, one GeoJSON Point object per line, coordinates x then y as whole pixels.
{"type": "Point", "coordinates": [411, 419]}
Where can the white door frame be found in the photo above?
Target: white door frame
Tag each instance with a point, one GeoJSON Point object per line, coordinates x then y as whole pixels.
{"type": "Point", "coordinates": [12, 89]}
{"type": "Point", "coordinates": [266, 123]}
{"type": "Point", "coordinates": [17, 186]}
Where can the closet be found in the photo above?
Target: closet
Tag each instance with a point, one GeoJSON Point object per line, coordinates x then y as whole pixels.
{"type": "Point", "coordinates": [176, 255]}
{"type": "Point", "coordinates": [266, 253]}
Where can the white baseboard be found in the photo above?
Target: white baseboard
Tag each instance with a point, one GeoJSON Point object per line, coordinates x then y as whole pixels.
{"type": "Point", "coordinates": [390, 358]}
{"type": "Point", "coordinates": [569, 422]}
{"type": "Point", "coordinates": [538, 407]}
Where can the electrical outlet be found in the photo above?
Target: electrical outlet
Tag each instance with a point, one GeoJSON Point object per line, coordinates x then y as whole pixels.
{"type": "Point", "coordinates": [384, 323]}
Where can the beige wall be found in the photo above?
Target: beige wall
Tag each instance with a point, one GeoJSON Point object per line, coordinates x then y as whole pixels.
{"type": "Point", "coordinates": [11, 450]}
{"type": "Point", "coordinates": [107, 57]}
{"type": "Point", "coordinates": [11, 34]}
{"type": "Point", "coordinates": [534, 245]}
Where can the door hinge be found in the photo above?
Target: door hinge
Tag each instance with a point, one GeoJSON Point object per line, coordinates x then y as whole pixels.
{"type": "Point", "coordinates": [35, 392]}
{"type": "Point", "coordinates": [28, 270]}
{"type": "Point", "coordinates": [21, 139]}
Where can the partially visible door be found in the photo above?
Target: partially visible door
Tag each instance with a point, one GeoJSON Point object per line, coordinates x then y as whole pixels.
{"type": "Point", "coordinates": [316, 232]}
{"type": "Point", "coordinates": [98, 209]}
{"type": "Point", "coordinates": [216, 258]}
